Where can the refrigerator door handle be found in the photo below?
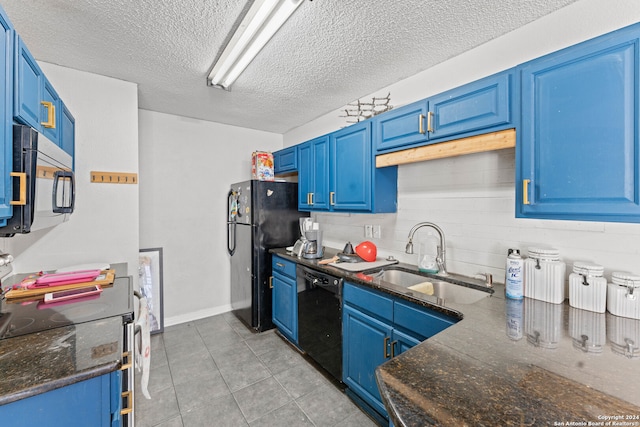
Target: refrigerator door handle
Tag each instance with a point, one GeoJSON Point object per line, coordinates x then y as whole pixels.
{"type": "Point", "coordinates": [231, 226]}
{"type": "Point", "coordinates": [231, 237]}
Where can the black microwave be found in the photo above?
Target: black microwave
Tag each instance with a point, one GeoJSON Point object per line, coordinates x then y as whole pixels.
{"type": "Point", "coordinates": [44, 183]}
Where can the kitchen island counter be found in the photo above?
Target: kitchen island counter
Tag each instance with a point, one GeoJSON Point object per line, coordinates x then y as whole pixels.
{"type": "Point", "coordinates": [514, 363]}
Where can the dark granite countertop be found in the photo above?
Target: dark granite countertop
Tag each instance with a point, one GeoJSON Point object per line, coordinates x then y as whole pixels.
{"type": "Point", "coordinates": [38, 362]}
{"type": "Point", "coordinates": [43, 361]}
{"type": "Point", "coordinates": [513, 363]}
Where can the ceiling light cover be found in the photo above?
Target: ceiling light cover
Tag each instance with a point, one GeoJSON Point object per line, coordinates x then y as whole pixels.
{"type": "Point", "coordinates": [262, 21]}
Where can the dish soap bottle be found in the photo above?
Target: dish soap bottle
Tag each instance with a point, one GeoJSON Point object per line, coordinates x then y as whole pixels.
{"type": "Point", "coordinates": [427, 253]}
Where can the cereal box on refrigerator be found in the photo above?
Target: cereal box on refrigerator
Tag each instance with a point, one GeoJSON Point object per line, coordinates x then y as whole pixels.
{"type": "Point", "coordinates": [262, 166]}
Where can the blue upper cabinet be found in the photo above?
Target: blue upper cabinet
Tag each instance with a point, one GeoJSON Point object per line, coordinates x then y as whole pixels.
{"type": "Point", "coordinates": [578, 148]}
{"type": "Point", "coordinates": [352, 164]}
{"type": "Point", "coordinates": [36, 102]}
{"type": "Point", "coordinates": [478, 107]}
{"type": "Point", "coordinates": [336, 172]}
{"type": "Point", "coordinates": [285, 160]}
{"type": "Point", "coordinates": [401, 127]}
{"type": "Point", "coordinates": [6, 108]}
{"type": "Point", "coordinates": [28, 87]}
{"type": "Point", "coordinates": [50, 111]}
{"type": "Point", "coordinates": [67, 131]}
{"type": "Point", "coordinates": [313, 174]}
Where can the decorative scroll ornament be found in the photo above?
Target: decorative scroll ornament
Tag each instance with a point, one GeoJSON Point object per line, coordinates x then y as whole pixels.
{"type": "Point", "coordinates": [358, 111]}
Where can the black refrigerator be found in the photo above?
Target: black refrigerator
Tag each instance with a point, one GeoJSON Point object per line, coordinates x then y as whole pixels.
{"type": "Point", "coordinates": [261, 215]}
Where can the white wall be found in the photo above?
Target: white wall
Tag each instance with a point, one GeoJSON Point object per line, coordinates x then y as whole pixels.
{"type": "Point", "coordinates": [104, 226]}
{"type": "Point", "coordinates": [472, 197]}
{"type": "Point", "coordinates": [186, 168]}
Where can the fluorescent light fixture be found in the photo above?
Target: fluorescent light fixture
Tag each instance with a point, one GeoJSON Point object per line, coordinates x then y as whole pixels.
{"type": "Point", "coordinates": [262, 21]}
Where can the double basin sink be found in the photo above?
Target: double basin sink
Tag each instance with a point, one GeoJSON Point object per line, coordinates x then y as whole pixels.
{"type": "Point", "coordinates": [451, 288]}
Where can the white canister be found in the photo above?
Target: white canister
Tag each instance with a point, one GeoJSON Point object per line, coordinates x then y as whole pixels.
{"type": "Point", "coordinates": [587, 287]}
{"type": "Point", "coordinates": [623, 295]}
{"type": "Point", "coordinates": [544, 275]}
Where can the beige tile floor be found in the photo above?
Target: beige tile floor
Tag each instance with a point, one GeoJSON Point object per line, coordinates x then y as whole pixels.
{"type": "Point", "coordinates": [216, 372]}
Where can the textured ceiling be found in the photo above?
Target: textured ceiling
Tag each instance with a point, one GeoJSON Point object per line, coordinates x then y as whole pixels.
{"type": "Point", "coordinates": [329, 53]}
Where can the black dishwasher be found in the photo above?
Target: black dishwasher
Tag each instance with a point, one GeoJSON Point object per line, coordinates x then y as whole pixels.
{"type": "Point", "coordinates": [320, 318]}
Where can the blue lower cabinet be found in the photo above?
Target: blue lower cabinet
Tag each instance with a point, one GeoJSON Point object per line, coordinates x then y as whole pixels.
{"type": "Point", "coordinates": [377, 326]}
{"type": "Point", "coordinates": [367, 345]}
{"type": "Point", "coordinates": [284, 297]}
{"type": "Point", "coordinates": [285, 307]}
{"type": "Point", "coordinates": [94, 402]}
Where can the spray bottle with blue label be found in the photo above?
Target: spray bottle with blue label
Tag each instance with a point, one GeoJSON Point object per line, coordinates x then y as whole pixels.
{"type": "Point", "coordinates": [514, 286]}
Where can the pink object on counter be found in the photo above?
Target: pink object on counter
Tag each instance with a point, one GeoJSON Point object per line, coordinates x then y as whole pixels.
{"type": "Point", "coordinates": [59, 279]}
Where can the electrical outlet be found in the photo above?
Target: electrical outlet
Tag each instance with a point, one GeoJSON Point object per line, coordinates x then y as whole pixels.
{"type": "Point", "coordinates": [377, 231]}
{"type": "Point", "coordinates": [368, 231]}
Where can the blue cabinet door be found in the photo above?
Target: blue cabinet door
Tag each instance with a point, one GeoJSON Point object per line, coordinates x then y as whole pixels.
{"type": "Point", "coordinates": [478, 107]}
{"type": "Point", "coordinates": [285, 297]}
{"type": "Point", "coordinates": [578, 149]}
{"type": "Point", "coordinates": [313, 176]}
{"type": "Point", "coordinates": [285, 310]}
{"type": "Point", "coordinates": [93, 402]}
{"type": "Point", "coordinates": [50, 111]}
{"type": "Point", "coordinates": [366, 345]}
{"type": "Point", "coordinates": [36, 102]}
{"type": "Point", "coordinates": [305, 175]}
{"type": "Point", "coordinates": [28, 87]}
{"type": "Point", "coordinates": [285, 160]}
{"type": "Point", "coordinates": [482, 104]}
{"type": "Point", "coordinates": [351, 168]}
{"type": "Point", "coordinates": [67, 131]}
{"type": "Point", "coordinates": [6, 115]}
{"type": "Point", "coordinates": [400, 127]}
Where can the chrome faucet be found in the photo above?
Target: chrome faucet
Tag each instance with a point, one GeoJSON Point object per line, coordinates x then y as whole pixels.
{"type": "Point", "coordinates": [440, 257]}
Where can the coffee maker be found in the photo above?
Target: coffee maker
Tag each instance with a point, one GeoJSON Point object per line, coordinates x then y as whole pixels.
{"type": "Point", "coordinates": [313, 248]}
{"type": "Point", "coordinates": [298, 247]}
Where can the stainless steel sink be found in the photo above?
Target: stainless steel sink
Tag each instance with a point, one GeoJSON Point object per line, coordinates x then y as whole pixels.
{"type": "Point", "coordinates": [467, 291]}
{"type": "Point", "coordinates": [401, 277]}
